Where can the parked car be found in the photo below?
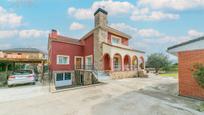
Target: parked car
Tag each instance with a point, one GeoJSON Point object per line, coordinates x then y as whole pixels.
{"type": "Point", "coordinates": [21, 77]}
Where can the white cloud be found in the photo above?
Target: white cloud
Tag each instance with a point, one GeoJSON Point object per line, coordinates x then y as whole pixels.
{"type": "Point", "coordinates": [145, 14]}
{"type": "Point", "coordinates": [9, 18]}
{"type": "Point", "coordinates": [76, 26]}
{"type": "Point", "coordinates": [171, 4]}
{"type": "Point", "coordinates": [135, 32]}
{"type": "Point", "coordinates": [195, 33]}
{"type": "Point", "coordinates": [113, 8]}
{"type": "Point", "coordinates": [32, 33]}
{"type": "Point", "coordinates": [149, 33]}
{"type": "Point", "coordinates": [147, 38]}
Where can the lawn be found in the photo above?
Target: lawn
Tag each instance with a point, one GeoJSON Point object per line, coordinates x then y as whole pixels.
{"type": "Point", "coordinates": [172, 74]}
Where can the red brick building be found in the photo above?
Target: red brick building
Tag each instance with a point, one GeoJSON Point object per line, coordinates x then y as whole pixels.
{"type": "Point", "coordinates": [102, 49]}
{"type": "Point", "coordinates": [189, 53]}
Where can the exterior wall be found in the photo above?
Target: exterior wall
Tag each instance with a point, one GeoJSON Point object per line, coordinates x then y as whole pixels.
{"type": "Point", "coordinates": [187, 84]}
{"type": "Point", "coordinates": [124, 41]}
{"type": "Point", "coordinates": [88, 46]}
{"type": "Point", "coordinates": [59, 48]}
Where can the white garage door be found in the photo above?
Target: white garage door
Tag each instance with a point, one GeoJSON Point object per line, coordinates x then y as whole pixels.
{"type": "Point", "coordinates": [63, 79]}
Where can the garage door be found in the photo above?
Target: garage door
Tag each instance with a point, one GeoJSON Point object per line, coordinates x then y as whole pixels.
{"type": "Point", "coordinates": [63, 79]}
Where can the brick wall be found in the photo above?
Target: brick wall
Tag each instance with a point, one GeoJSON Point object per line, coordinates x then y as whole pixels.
{"type": "Point", "coordinates": [187, 84]}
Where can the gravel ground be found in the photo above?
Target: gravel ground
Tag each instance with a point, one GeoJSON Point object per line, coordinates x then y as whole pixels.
{"type": "Point", "coordinates": [134, 96]}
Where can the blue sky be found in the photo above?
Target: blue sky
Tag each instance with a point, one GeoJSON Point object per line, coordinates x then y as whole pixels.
{"type": "Point", "coordinates": [154, 25]}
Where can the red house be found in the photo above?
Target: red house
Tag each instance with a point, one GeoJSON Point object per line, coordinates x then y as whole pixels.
{"type": "Point", "coordinates": [189, 53]}
{"type": "Point", "coordinates": [103, 50]}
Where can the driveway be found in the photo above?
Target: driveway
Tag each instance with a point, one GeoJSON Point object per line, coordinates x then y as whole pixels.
{"type": "Point", "coordinates": [135, 96]}
{"type": "Point", "coordinates": [22, 92]}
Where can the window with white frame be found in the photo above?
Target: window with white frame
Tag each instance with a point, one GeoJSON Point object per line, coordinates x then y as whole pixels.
{"type": "Point", "coordinates": [88, 62]}
{"type": "Point", "coordinates": [62, 59]}
{"type": "Point", "coordinates": [115, 40]}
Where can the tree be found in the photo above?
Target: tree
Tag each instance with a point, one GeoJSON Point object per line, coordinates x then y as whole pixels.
{"type": "Point", "coordinates": [158, 61]}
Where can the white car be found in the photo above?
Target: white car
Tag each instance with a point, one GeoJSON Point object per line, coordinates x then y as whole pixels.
{"type": "Point", "coordinates": [21, 77]}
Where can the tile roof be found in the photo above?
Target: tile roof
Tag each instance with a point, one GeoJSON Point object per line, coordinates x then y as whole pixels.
{"type": "Point", "coordinates": [33, 50]}
{"type": "Point", "coordinates": [61, 38]}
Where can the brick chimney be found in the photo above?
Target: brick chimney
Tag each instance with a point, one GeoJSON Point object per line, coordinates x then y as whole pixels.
{"type": "Point", "coordinates": [53, 34]}
{"type": "Point", "coordinates": [101, 17]}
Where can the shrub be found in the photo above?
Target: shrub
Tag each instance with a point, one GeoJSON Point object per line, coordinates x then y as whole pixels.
{"type": "Point", "coordinates": [198, 73]}
{"type": "Point", "coordinates": [3, 79]}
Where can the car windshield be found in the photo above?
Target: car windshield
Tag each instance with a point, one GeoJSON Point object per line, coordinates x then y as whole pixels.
{"type": "Point", "coordinates": [22, 72]}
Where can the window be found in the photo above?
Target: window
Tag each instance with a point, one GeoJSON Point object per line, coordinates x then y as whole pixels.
{"type": "Point", "coordinates": [116, 40]}
{"type": "Point", "coordinates": [63, 76]}
{"type": "Point", "coordinates": [67, 76]}
{"type": "Point", "coordinates": [88, 62]}
{"type": "Point", "coordinates": [59, 77]}
{"type": "Point", "coordinates": [62, 59]}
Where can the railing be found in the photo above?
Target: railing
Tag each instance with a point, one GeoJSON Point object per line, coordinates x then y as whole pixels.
{"type": "Point", "coordinates": [116, 67]}
{"type": "Point", "coordinates": [84, 67]}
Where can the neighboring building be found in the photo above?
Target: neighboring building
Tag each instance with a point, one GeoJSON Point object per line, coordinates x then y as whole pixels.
{"type": "Point", "coordinates": [1, 54]}
{"type": "Point", "coordinates": [102, 49]}
{"type": "Point", "coordinates": [22, 53]}
{"type": "Point", "coordinates": [189, 53]}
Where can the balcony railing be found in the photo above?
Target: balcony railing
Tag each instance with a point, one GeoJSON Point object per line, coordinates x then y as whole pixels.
{"type": "Point", "coordinates": [116, 67]}
{"type": "Point", "coordinates": [84, 67]}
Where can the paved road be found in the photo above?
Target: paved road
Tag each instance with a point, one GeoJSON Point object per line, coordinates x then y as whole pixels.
{"type": "Point", "coordinates": [138, 96]}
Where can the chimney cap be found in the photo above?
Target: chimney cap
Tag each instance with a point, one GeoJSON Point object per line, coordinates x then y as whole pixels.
{"type": "Point", "coordinates": [53, 30]}
{"type": "Point", "coordinates": [100, 10]}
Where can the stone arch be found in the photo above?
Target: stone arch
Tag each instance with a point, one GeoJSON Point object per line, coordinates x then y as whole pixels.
{"type": "Point", "coordinates": [117, 62]}
{"type": "Point", "coordinates": [134, 62]}
{"type": "Point", "coordinates": [106, 62]}
{"type": "Point", "coordinates": [127, 62]}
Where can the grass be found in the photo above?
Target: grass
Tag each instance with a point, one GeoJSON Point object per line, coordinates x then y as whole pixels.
{"type": "Point", "coordinates": [170, 74]}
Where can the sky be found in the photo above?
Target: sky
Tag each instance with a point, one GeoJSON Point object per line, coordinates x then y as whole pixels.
{"type": "Point", "coordinates": [154, 25]}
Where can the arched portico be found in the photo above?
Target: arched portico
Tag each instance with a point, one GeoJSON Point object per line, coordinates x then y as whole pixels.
{"type": "Point", "coordinates": [142, 64]}
{"type": "Point", "coordinates": [127, 63]}
{"type": "Point", "coordinates": [117, 62]}
{"type": "Point", "coordinates": [134, 62]}
{"type": "Point", "coordinates": [107, 62]}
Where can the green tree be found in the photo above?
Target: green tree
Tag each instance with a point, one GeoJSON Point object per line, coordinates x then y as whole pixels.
{"type": "Point", "coordinates": [158, 61]}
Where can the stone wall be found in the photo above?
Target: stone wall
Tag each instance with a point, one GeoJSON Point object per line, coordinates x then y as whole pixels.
{"type": "Point", "coordinates": [127, 74]}
{"type": "Point", "coordinates": [84, 77]}
{"type": "Point", "coordinates": [123, 74]}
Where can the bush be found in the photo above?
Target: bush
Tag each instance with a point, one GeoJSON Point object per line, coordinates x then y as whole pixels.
{"type": "Point", "coordinates": [198, 74]}
{"type": "Point", "coordinates": [3, 79]}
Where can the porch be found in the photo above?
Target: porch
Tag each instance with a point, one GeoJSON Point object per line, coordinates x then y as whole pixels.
{"type": "Point", "coordinates": [122, 58]}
